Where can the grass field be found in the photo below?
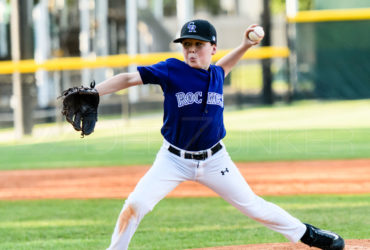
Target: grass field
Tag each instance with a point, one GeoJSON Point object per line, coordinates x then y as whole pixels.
{"type": "Point", "coordinates": [243, 146]}
{"type": "Point", "coordinates": [304, 130]}
{"type": "Point", "coordinates": [174, 224]}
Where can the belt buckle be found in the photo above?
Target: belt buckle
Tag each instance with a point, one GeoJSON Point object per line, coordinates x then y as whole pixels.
{"type": "Point", "coordinates": [200, 156]}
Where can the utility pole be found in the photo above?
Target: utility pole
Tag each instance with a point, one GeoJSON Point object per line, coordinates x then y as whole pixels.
{"type": "Point", "coordinates": [291, 11]}
{"type": "Point", "coordinates": [158, 9]}
{"type": "Point", "coordinates": [132, 40]}
{"type": "Point", "coordinates": [17, 82]}
{"type": "Point", "coordinates": [22, 48]}
{"type": "Point", "coordinates": [132, 50]}
{"type": "Point", "coordinates": [185, 11]}
{"type": "Point", "coordinates": [101, 38]}
{"type": "Point", "coordinates": [85, 46]}
{"type": "Point", "coordinates": [3, 33]}
{"type": "Point", "coordinates": [267, 93]}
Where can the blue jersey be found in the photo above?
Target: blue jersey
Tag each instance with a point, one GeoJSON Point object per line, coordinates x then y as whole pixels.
{"type": "Point", "coordinates": [193, 103]}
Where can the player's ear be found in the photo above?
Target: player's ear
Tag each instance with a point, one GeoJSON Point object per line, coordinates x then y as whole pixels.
{"type": "Point", "coordinates": [214, 49]}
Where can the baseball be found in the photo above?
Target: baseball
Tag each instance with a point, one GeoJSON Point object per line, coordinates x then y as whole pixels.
{"type": "Point", "coordinates": [257, 34]}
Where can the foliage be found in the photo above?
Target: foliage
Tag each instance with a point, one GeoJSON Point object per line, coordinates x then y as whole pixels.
{"type": "Point", "coordinates": [212, 6]}
{"type": "Point", "coordinates": [278, 6]}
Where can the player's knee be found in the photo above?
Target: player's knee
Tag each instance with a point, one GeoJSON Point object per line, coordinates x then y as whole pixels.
{"type": "Point", "coordinates": [140, 206]}
{"type": "Point", "coordinates": [255, 209]}
{"type": "Point", "coordinates": [132, 211]}
{"type": "Point", "coordinates": [128, 214]}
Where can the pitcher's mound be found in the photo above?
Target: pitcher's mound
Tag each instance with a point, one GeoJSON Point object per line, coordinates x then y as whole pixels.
{"type": "Point", "coordinates": [350, 245]}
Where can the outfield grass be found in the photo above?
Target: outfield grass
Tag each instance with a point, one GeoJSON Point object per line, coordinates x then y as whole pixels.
{"type": "Point", "coordinates": [174, 223]}
{"type": "Point", "coordinates": [303, 131]}
{"type": "Point", "coordinates": [242, 145]}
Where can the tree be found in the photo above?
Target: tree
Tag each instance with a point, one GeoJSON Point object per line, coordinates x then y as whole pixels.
{"type": "Point", "coordinates": [278, 6]}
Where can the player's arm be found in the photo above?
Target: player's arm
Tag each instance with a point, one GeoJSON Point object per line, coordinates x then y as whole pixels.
{"type": "Point", "coordinates": [229, 60]}
{"type": "Point", "coordinates": [118, 82]}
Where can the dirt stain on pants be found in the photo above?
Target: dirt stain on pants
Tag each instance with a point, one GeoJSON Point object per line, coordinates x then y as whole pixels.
{"type": "Point", "coordinates": [125, 217]}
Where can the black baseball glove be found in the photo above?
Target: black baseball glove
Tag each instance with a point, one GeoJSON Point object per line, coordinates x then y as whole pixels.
{"type": "Point", "coordinates": [80, 107]}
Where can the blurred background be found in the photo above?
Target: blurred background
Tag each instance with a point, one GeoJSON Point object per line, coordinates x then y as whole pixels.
{"type": "Point", "coordinates": [313, 49]}
{"type": "Point", "coordinates": [298, 104]}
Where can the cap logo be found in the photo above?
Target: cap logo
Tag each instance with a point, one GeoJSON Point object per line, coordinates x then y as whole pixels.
{"type": "Point", "coordinates": [213, 38]}
{"type": "Point", "coordinates": [191, 27]}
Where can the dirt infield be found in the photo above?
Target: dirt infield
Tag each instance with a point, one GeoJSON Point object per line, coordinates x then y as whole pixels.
{"type": "Point", "coordinates": [265, 178]}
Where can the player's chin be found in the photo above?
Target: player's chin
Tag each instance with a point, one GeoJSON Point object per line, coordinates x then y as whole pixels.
{"type": "Point", "coordinates": [195, 65]}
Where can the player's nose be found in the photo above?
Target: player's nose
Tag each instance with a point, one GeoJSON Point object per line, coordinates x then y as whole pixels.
{"type": "Point", "coordinates": [191, 50]}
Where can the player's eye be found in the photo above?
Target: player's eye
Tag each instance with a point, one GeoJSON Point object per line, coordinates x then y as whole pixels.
{"type": "Point", "coordinates": [186, 44]}
{"type": "Point", "coordinates": [199, 44]}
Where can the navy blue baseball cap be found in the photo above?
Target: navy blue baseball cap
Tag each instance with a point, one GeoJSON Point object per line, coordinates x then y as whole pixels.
{"type": "Point", "coordinates": [198, 29]}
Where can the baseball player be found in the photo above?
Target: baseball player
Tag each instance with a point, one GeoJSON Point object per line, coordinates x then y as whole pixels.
{"type": "Point", "coordinates": [193, 130]}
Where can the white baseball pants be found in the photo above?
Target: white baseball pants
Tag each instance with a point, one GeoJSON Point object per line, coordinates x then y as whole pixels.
{"type": "Point", "coordinates": [169, 170]}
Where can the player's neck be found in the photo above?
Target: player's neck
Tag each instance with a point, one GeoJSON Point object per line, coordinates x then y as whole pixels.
{"type": "Point", "coordinates": [203, 67]}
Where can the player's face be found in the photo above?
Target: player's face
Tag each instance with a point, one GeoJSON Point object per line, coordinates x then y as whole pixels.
{"type": "Point", "coordinates": [198, 54]}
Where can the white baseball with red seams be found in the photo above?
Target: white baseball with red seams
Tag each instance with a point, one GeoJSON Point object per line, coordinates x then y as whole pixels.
{"type": "Point", "coordinates": [257, 34]}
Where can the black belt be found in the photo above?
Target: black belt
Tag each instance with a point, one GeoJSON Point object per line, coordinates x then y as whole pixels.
{"type": "Point", "coordinates": [196, 156]}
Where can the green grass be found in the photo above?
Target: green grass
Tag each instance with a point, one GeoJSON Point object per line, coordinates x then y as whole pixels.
{"type": "Point", "coordinates": [305, 130]}
{"type": "Point", "coordinates": [242, 145]}
{"type": "Point", "coordinates": [174, 223]}
{"type": "Point", "coordinates": [307, 144]}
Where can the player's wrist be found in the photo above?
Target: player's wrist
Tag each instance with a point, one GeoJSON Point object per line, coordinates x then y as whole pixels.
{"type": "Point", "coordinates": [244, 46]}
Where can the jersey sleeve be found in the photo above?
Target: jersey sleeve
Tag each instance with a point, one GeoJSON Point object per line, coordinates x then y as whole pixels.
{"type": "Point", "coordinates": [220, 71]}
{"type": "Point", "coordinates": [154, 74]}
